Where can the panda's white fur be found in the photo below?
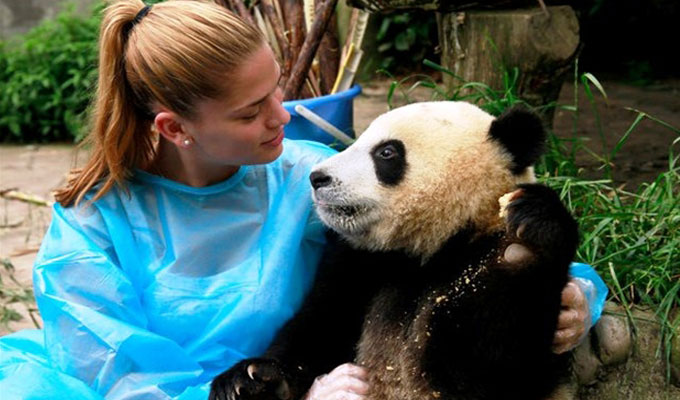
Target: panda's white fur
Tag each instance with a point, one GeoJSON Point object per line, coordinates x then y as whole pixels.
{"type": "Point", "coordinates": [414, 216]}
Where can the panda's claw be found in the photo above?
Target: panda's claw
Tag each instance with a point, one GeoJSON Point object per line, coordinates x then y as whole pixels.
{"type": "Point", "coordinates": [252, 368]}
{"type": "Point", "coordinates": [252, 379]}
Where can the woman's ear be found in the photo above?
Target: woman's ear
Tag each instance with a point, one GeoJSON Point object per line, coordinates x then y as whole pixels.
{"type": "Point", "coordinates": [170, 126]}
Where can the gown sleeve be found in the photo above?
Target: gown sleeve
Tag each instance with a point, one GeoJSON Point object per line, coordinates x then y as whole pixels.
{"type": "Point", "coordinates": [593, 287]}
{"type": "Point", "coordinates": [95, 323]}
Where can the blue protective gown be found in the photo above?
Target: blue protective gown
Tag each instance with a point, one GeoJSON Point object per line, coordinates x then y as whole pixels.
{"type": "Point", "coordinates": [149, 295]}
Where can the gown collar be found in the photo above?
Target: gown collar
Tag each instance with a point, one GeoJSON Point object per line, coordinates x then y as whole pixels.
{"type": "Point", "coordinates": [211, 189]}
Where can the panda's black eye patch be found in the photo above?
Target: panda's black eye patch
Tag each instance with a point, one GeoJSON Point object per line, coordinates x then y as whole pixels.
{"type": "Point", "coordinates": [389, 159]}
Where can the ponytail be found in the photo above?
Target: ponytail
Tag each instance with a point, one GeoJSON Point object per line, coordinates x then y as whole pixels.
{"type": "Point", "coordinates": [120, 132]}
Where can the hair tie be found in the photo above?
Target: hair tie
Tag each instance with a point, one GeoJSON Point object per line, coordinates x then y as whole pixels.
{"type": "Point", "coordinates": [141, 14]}
{"type": "Point", "coordinates": [128, 27]}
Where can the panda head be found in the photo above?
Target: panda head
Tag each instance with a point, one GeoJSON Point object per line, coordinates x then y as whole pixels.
{"type": "Point", "coordinates": [423, 172]}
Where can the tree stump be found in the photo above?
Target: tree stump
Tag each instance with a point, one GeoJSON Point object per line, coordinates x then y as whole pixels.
{"type": "Point", "coordinates": [479, 45]}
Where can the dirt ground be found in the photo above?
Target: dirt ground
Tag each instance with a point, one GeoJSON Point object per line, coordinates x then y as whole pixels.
{"type": "Point", "coordinates": [645, 153]}
{"type": "Point", "coordinates": [38, 169]}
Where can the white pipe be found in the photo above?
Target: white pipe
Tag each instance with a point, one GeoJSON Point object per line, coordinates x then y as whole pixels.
{"type": "Point", "coordinates": [315, 119]}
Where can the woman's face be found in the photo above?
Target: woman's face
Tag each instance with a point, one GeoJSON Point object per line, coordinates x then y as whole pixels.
{"type": "Point", "coordinates": [246, 127]}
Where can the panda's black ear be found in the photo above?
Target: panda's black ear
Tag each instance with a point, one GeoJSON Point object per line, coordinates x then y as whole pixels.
{"type": "Point", "coordinates": [521, 134]}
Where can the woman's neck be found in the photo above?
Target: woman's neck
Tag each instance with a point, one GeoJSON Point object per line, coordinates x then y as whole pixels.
{"type": "Point", "coordinates": [183, 167]}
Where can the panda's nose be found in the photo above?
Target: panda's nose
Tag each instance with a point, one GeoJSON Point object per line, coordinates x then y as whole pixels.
{"type": "Point", "coordinates": [319, 179]}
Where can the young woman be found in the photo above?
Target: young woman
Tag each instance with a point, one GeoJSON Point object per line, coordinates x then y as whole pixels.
{"type": "Point", "coordinates": [189, 238]}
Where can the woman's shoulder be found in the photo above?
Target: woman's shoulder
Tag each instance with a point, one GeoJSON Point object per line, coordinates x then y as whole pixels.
{"type": "Point", "coordinates": [94, 211]}
{"type": "Point", "coordinates": [87, 213]}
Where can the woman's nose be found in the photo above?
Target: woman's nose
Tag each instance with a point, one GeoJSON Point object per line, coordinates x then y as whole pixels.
{"type": "Point", "coordinates": [279, 115]}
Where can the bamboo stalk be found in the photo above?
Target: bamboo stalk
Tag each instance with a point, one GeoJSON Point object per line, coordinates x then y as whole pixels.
{"type": "Point", "coordinates": [313, 81]}
{"type": "Point", "coordinates": [360, 28]}
{"type": "Point", "coordinates": [309, 48]}
{"type": "Point", "coordinates": [259, 22]}
{"type": "Point", "coordinates": [279, 12]}
{"type": "Point", "coordinates": [269, 32]}
{"type": "Point", "coordinates": [309, 9]}
{"type": "Point", "coordinates": [352, 55]}
{"type": "Point", "coordinates": [269, 12]}
{"type": "Point", "coordinates": [25, 197]}
{"type": "Point", "coordinates": [328, 55]}
{"type": "Point", "coordinates": [294, 18]}
{"type": "Point", "coordinates": [224, 3]}
{"type": "Point", "coordinates": [354, 16]}
{"type": "Point", "coordinates": [242, 10]}
{"type": "Point", "coordinates": [306, 92]}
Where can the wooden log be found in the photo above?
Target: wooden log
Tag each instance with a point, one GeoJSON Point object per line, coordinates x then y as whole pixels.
{"type": "Point", "coordinates": [477, 45]}
{"type": "Point", "coordinates": [304, 61]}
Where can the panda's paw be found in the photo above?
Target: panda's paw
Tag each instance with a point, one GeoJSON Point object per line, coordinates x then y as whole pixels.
{"type": "Point", "coordinates": [255, 378]}
{"type": "Point", "coordinates": [537, 220]}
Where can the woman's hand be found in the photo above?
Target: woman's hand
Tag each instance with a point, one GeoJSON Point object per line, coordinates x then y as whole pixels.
{"type": "Point", "coordinates": [574, 320]}
{"type": "Point", "coordinates": [346, 382]}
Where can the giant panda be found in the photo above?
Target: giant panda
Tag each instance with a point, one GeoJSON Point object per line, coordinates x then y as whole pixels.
{"type": "Point", "coordinates": [437, 287]}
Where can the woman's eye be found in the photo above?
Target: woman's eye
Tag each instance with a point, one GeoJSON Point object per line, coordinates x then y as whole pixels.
{"type": "Point", "coordinates": [250, 117]}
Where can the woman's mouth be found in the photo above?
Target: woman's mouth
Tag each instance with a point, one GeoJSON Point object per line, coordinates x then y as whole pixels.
{"type": "Point", "coordinates": [276, 140]}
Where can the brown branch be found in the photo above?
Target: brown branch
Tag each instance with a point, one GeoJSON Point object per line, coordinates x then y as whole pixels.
{"type": "Point", "coordinates": [224, 3]}
{"type": "Point", "coordinates": [295, 24]}
{"type": "Point", "coordinates": [313, 82]}
{"type": "Point", "coordinates": [311, 44]}
{"type": "Point", "coordinates": [329, 57]}
{"type": "Point", "coordinates": [269, 12]}
{"type": "Point", "coordinates": [242, 11]}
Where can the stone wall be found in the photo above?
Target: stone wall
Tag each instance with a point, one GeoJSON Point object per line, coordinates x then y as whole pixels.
{"type": "Point", "coordinates": [19, 16]}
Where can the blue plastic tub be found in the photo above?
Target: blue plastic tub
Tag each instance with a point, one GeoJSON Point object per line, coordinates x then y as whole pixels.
{"type": "Point", "coordinates": [335, 108]}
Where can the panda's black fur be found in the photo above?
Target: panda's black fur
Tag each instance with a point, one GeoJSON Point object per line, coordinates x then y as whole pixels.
{"type": "Point", "coordinates": [461, 324]}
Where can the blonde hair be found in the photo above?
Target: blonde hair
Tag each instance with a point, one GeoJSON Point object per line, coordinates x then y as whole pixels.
{"type": "Point", "coordinates": [177, 54]}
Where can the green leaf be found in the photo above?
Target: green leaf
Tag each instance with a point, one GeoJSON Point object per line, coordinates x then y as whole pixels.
{"type": "Point", "coordinates": [402, 42]}
{"type": "Point", "coordinates": [384, 27]}
{"type": "Point", "coordinates": [588, 77]}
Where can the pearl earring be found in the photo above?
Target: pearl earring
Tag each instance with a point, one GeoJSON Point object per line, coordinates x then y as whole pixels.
{"type": "Point", "coordinates": [187, 142]}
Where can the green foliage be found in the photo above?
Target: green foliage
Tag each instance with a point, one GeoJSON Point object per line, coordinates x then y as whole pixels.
{"type": "Point", "coordinates": [47, 78]}
{"type": "Point", "coordinates": [633, 238]}
{"type": "Point", "coordinates": [405, 39]}
{"type": "Point", "coordinates": [12, 295]}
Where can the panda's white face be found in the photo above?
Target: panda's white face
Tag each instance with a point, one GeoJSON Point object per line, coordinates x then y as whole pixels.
{"type": "Point", "coordinates": [416, 176]}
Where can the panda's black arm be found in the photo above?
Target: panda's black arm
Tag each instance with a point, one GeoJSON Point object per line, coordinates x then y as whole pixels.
{"type": "Point", "coordinates": [504, 331]}
{"type": "Point", "coordinates": [323, 334]}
